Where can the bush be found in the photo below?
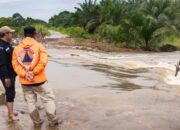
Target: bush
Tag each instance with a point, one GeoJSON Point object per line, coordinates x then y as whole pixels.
{"type": "Point", "coordinates": [168, 48]}
{"type": "Point", "coordinates": [173, 40]}
{"type": "Point", "coordinates": [41, 30]}
{"type": "Point", "coordinates": [19, 31]}
{"type": "Point", "coordinates": [109, 32]}
{"type": "Point", "coordinates": [76, 32]}
{"type": "Point", "coordinates": [58, 29]}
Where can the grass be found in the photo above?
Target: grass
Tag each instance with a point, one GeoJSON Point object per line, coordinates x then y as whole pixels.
{"type": "Point", "coordinates": [173, 40]}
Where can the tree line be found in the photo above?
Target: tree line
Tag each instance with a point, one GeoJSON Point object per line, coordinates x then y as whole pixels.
{"type": "Point", "coordinates": [131, 23]}
{"type": "Point", "coordinates": [141, 24]}
{"type": "Point", "coordinates": [18, 22]}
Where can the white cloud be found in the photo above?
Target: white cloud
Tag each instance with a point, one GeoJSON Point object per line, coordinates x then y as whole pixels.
{"type": "Point", "coordinates": [44, 10]}
{"type": "Point", "coordinates": [8, 1]}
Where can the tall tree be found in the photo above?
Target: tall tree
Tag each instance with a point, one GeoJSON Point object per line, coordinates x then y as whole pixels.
{"type": "Point", "coordinates": [64, 19]}
{"type": "Point", "coordinates": [87, 15]}
{"type": "Point", "coordinates": [18, 20]}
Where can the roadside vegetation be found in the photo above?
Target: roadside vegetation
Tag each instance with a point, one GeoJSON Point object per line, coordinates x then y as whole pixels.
{"type": "Point", "coordinates": [137, 24]}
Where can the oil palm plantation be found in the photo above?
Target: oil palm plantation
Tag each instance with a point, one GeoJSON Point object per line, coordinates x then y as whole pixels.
{"type": "Point", "coordinates": [87, 15]}
{"type": "Point", "coordinates": [140, 22]}
{"type": "Point", "coordinates": [151, 21]}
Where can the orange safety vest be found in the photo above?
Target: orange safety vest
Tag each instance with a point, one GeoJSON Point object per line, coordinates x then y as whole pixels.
{"type": "Point", "coordinates": [30, 55]}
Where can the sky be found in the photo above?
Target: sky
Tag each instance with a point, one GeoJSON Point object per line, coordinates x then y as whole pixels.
{"type": "Point", "coordinates": [39, 9]}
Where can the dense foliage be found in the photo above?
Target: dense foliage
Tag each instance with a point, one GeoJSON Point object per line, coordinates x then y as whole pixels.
{"type": "Point", "coordinates": [145, 24]}
{"type": "Point", "coordinates": [132, 23]}
{"type": "Point", "coordinates": [18, 23]}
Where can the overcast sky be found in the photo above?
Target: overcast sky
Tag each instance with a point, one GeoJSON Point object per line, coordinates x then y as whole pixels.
{"type": "Point", "coordinates": [41, 9]}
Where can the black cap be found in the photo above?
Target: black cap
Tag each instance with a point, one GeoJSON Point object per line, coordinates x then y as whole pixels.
{"type": "Point", "coordinates": [29, 30]}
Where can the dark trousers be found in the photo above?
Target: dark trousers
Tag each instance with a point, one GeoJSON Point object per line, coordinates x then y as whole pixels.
{"type": "Point", "coordinates": [9, 91]}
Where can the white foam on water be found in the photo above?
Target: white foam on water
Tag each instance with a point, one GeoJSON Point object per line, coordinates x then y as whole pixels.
{"type": "Point", "coordinates": [172, 80]}
{"type": "Point", "coordinates": [169, 77]}
{"type": "Point", "coordinates": [162, 62]}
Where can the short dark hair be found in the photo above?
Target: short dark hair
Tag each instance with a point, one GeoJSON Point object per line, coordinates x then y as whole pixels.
{"type": "Point", "coordinates": [29, 35]}
{"type": "Point", "coordinates": [29, 31]}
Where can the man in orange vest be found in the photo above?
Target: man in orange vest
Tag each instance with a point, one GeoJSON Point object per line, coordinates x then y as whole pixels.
{"type": "Point", "coordinates": [29, 62]}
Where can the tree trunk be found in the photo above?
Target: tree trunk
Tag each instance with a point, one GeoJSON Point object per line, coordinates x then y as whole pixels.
{"type": "Point", "coordinates": [147, 45]}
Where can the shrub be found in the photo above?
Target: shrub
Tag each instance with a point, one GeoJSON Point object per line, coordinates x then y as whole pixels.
{"type": "Point", "coordinates": [168, 48]}
{"type": "Point", "coordinates": [76, 32]}
{"type": "Point", "coordinates": [41, 30]}
{"type": "Point", "coordinates": [111, 33]}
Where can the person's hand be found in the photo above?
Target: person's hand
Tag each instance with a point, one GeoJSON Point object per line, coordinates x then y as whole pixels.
{"type": "Point", "coordinates": [29, 76]}
{"type": "Point", "coordinates": [27, 68]}
{"type": "Point", "coordinates": [7, 82]}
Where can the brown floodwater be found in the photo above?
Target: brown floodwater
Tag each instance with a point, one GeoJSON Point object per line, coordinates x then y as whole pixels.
{"type": "Point", "coordinates": [100, 91]}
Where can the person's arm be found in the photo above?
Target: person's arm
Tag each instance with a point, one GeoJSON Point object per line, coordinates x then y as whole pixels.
{"type": "Point", "coordinates": [3, 65]}
{"type": "Point", "coordinates": [43, 61]}
{"type": "Point", "coordinates": [16, 65]}
{"type": "Point", "coordinates": [3, 68]}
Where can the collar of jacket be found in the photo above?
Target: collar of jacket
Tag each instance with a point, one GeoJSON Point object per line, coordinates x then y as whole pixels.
{"type": "Point", "coordinates": [4, 42]}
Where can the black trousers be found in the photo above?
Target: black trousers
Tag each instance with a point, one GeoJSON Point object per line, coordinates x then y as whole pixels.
{"type": "Point", "coordinates": [9, 91]}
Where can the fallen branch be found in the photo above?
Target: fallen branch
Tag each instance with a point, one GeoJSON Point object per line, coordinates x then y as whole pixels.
{"type": "Point", "coordinates": [177, 68]}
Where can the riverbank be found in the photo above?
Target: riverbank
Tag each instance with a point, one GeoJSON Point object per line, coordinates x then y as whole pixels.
{"type": "Point", "coordinates": [61, 40]}
{"type": "Point", "coordinates": [89, 45]}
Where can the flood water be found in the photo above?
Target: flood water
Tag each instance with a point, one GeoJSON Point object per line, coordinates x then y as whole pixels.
{"type": "Point", "coordinates": [108, 91]}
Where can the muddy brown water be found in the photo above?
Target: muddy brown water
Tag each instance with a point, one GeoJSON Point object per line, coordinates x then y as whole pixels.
{"type": "Point", "coordinates": [115, 91]}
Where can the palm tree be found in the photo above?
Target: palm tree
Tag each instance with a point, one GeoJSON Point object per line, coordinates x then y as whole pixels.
{"type": "Point", "coordinates": [87, 14]}
{"type": "Point", "coordinates": [112, 11]}
{"type": "Point", "coordinates": [156, 7]}
{"type": "Point", "coordinates": [150, 26]}
{"type": "Point", "coordinates": [150, 19]}
{"type": "Point", "coordinates": [175, 14]}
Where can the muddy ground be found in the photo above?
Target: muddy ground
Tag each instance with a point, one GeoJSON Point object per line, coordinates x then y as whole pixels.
{"type": "Point", "coordinates": [93, 95]}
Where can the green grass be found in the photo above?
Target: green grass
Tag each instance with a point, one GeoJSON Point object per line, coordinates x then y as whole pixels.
{"type": "Point", "coordinates": [75, 32]}
{"type": "Point", "coordinates": [173, 40]}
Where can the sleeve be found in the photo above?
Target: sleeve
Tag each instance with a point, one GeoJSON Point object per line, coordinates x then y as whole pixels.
{"type": "Point", "coordinates": [43, 61]}
{"type": "Point", "coordinates": [3, 65]}
{"type": "Point", "coordinates": [17, 67]}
